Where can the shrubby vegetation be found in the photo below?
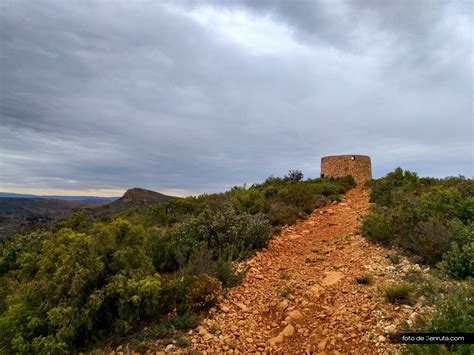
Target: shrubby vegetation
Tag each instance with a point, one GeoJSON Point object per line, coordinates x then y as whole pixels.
{"type": "Point", "coordinates": [65, 287]}
{"type": "Point", "coordinates": [430, 218]}
{"type": "Point", "coordinates": [433, 221]}
{"type": "Point", "coordinates": [455, 314]}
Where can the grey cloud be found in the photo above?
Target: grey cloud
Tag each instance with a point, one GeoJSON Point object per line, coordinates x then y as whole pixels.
{"type": "Point", "coordinates": [122, 94]}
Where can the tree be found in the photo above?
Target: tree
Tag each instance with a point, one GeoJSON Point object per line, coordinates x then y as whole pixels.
{"type": "Point", "coordinates": [295, 175]}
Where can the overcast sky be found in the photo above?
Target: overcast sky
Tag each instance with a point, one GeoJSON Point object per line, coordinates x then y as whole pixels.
{"type": "Point", "coordinates": [186, 97]}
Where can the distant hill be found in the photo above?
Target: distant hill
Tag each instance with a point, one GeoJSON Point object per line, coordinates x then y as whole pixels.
{"type": "Point", "coordinates": [19, 212]}
{"type": "Point", "coordinates": [135, 197]}
{"type": "Point", "coordinates": [58, 197]}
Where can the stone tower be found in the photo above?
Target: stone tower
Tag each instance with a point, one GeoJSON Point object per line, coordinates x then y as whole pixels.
{"type": "Point", "coordinates": [359, 166]}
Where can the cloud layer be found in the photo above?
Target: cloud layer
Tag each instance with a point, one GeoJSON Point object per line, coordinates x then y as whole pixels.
{"type": "Point", "coordinates": [198, 96]}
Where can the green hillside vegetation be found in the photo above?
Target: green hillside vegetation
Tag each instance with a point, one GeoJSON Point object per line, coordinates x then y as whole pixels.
{"type": "Point", "coordinates": [431, 220]}
{"type": "Point", "coordinates": [65, 288]}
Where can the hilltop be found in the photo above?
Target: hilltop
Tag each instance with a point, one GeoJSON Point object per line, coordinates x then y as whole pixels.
{"type": "Point", "coordinates": [135, 197]}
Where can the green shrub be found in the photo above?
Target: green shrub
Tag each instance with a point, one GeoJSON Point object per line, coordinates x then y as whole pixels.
{"type": "Point", "coordinates": [460, 233]}
{"type": "Point", "coordinates": [227, 233]}
{"type": "Point", "coordinates": [467, 210]}
{"type": "Point", "coordinates": [454, 314]}
{"type": "Point", "coordinates": [429, 241]}
{"type": "Point", "coordinates": [78, 221]}
{"type": "Point", "coordinates": [226, 272]}
{"type": "Point", "coordinates": [143, 347]}
{"type": "Point", "coordinates": [303, 197]}
{"type": "Point", "coordinates": [430, 288]}
{"type": "Point", "coordinates": [248, 201]}
{"type": "Point", "coordinates": [442, 203]}
{"type": "Point", "coordinates": [328, 188]}
{"type": "Point", "coordinates": [347, 181]}
{"type": "Point", "coordinates": [182, 342]}
{"type": "Point", "coordinates": [280, 214]}
{"type": "Point", "coordinates": [185, 321]}
{"type": "Point", "coordinates": [82, 284]}
{"type": "Point", "coordinates": [397, 182]}
{"type": "Point", "coordinates": [219, 233]}
{"type": "Point", "coordinates": [166, 214]}
{"type": "Point", "coordinates": [26, 246]}
{"type": "Point", "coordinates": [465, 186]}
{"type": "Point", "coordinates": [201, 292]}
{"type": "Point", "coordinates": [459, 262]}
{"type": "Point", "coordinates": [366, 279]}
{"type": "Point", "coordinates": [422, 216]}
{"type": "Point", "coordinates": [377, 227]}
{"type": "Point", "coordinates": [159, 330]}
{"type": "Point", "coordinates": [191, 294]}
{"type": "Point", "coordinates": [394, 258]}
{"type": "Point", "coordinates": [399, 293]}
{"type": "Point", "coordinates": [202, 262]}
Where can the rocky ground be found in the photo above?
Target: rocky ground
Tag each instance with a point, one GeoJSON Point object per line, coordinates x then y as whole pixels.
{"type": "Point", "coordinates": [300, 294]}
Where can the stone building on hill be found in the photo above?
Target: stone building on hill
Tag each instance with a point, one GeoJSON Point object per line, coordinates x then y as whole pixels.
{"type": "Point", "coordinates": [359, 166]}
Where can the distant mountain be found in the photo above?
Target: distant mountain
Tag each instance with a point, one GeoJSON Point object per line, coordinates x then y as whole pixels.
{"type": "Point", "coordinates": [136, 197]}
{"type": "Point", "coordinates": [14, 195]}
{"type": "Point", "coordinates": [67, 198]}
{"type": "Point", "coordinates": [17, 214]}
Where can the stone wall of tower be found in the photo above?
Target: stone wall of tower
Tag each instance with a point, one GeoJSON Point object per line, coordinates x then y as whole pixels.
{"type": "Point", "coordinates": [359, 166]}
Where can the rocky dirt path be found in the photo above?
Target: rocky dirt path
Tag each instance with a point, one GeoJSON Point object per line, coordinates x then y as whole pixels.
{"type": "Point", "coordinates": [300, 293]}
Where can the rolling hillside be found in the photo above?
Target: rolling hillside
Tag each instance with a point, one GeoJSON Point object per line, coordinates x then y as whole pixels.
{"type": "Point", "coordinates": [20, 213]}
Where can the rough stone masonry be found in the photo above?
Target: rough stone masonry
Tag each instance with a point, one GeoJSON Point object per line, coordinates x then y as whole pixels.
{"type": "Point", "coordinates": [359, 166]}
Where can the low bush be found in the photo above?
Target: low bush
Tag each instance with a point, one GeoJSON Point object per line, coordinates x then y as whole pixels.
{"type": "Point", "coordinates": [366, 279]}
{"type": "Point", "coordinates": [214, 234]}
{"type": "Point", "coordinates": [459, 262]}
{"type": "Point", "coordinates": [385, 191]}
{"type": "Point", "coordinates": [431, 219]}
{"type": "Point", "coordinates": [454, 314]}
{"type": "Point", "coordinates": [80, 284]}
{"type": "Point", "coordinates": [336, 198]}
{"type": "Point", "coordinates": [191, 294]}
{"type": "Point", "coordinates": [159, 330]}
{"type": "Point", "coordinates": [328, 188]}
{"type": "Point", "coordinates": [347, 181]}
{"type": "Point", "coordinates": [226, 272]}
{"type": "Point", "coordinates": [185, 320]}
{"type": "Point", "coordinates": [280, 214]}
{"type": "Point", "coordinates": [378, 228]}
{"type": "Point", "coordinates": [394, 258]}
{"type": "Point", "coordinates": [399, 293]}
{"type": "Point", "coordinates": [429, 241]}
{"type": "Point", "coordinates": [421, 216]}
{"type": "Point", "coordinates": [248, 200]}
{"type": "Point", "coordinates": [182, 342]}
